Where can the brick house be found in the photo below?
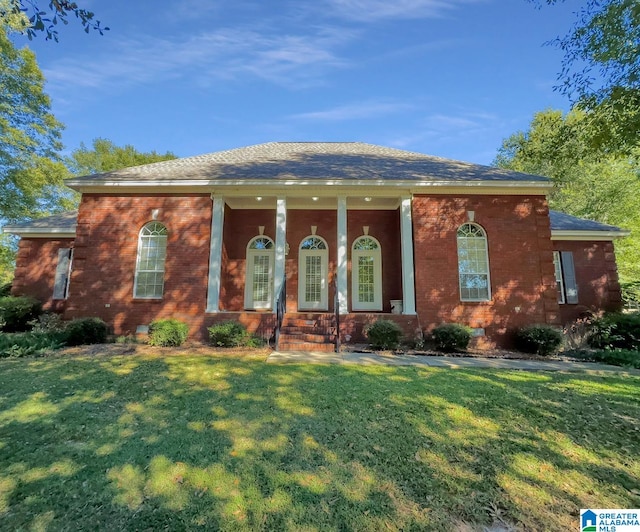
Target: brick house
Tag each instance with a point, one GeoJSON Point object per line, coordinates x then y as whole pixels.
{"type": "Point", "coordinates": [328, 230]}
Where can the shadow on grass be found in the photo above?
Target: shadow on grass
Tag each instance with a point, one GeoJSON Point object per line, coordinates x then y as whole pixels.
{"type": "Point", "coordinates": [182, 442]}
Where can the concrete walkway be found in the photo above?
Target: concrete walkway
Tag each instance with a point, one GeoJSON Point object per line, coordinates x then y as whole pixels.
{"type": "Point", "coordinates": [371, 359]}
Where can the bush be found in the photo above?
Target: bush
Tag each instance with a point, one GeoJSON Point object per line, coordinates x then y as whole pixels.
{"type": "Point", "coordinates": [615, 357]}
{"type": "Point", "coordinates": [17, 312]}
{"type": "Point", "coordinates": [168, 333]}
{"type": "Point", "coordinates": [86, 331]}
{"type": "Point", "coordinates": [231, 334]}
{"type": "Point", "coordinates": [539, 339]}
{"type": "Point", "coordinates": [5, 290]}
{"type": "Point", "coordinates": [616, 331]}
{"type": "Point", "coordinates": [450, 337]}
{"type": "Point", "coordinates": [47, 322]}
{"type": "Point", "coordinates": [30, 343]}
{"type": "Point", "coordinates": [384, 334]}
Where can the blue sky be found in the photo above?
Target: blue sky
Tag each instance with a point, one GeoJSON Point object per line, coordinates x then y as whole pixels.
{"type": "Point", "coordinates": [445, 77]}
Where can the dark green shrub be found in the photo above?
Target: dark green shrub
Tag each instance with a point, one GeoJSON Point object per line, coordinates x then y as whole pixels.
{"type": "Point", "coordinates": [616, 331]}
{"type": "Point", "coordinates": [17, 312]}
{"type": "Point", "coordinates": [47, 322]}
{"type": "Point", "coordinates": [615, 357]}
{"type": "Point", "coordinates": [383, 334]}
{"type": "Point", "coordinates": [5, 290]}
{"type": "Point", "coordinates": [30, 343]}
{"type": "Point", "coordinates": [450, 337]}
{"type": "Point", "coordinates": [231, 334]}
{"type": "Point", "coordinates": [86, 331]}
{"type": "Point", "coordinates": [539, 339]}
{"type": "Point", "coordinates": [168, 333]}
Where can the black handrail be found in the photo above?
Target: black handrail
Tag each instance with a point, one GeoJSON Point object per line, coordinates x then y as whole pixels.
{"type": "Point", "coordinates": [336, 311]}
{"type": "Point", "coordinates": [281, 310]}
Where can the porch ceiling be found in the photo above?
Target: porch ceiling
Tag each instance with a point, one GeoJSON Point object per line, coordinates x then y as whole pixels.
{"type": "Point", "coordinates": [317, 202]}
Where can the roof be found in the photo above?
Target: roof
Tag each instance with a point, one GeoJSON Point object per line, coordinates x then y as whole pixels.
{"type": "Point", "coordinates": [565, 226]}
{"type": "Point", "coordinates": [562, 225]}
{"type": "Point", "coordinates": [304, 162]}
{"type": "Point", "coordinates": [63, 225]}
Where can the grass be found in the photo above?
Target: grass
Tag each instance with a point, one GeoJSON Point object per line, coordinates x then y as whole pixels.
{"type": "Point", "coordinates": [148, 442]}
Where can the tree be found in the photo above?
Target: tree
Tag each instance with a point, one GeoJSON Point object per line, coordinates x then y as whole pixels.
{"type": "Point", "coordinates": [106, 156]}
{"type": "Point", "coordinates": [601, 186]}
{"type": "Point", "coordinates": [31, 172]}
{"type": "Point", "coordinates": [29, 17]}
{"type": "Point", "coordinates": [600, 70]}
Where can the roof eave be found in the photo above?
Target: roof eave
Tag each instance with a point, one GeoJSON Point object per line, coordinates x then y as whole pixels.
{"type": "Point", "coordinates": [40, 232]}
{"type": "Point", "coordinates": [574, 234]}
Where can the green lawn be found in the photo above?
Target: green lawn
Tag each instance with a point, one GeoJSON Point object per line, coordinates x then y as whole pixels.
{"type": "Point", "coordinates": [146, 442]}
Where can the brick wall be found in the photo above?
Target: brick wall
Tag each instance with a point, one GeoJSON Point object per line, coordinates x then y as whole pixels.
{"type": "Point", "coordinates": [36, 269]}
{"type": "Point", "coordinates": [105, 258]}
{"type": "Point", "coordinates": [520, 262]}
{"type": "Point", "coordinates": [597, 278]}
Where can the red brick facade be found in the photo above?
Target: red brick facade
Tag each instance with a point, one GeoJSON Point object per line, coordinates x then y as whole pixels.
{"type": "Point", "coordinates": [523, 288]}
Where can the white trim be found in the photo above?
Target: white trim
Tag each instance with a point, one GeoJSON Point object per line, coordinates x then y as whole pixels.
{"type": "Point", "coordinates": [566, 234]}
{"type": "Point", "coordinates": [249, 303]}
{"type": "Point", "coordinates": [137, 270]}
{"type": "Point", "coordinates": [557, 270]}
{"type": "Point", "coordinates": [215, 254]}
{"type": "Point", "coordinates": [40, 233]}
{"type": "Point", "coordinates": [406, 243]}
{"type": "Point", "coordinates": [281, 243]}
{"type": "Point", "coordinates": [342, 281]}
{"type": "Point", "coordinates": [488, 272]}
{"type": "Point", "coordinates": [376, 254]}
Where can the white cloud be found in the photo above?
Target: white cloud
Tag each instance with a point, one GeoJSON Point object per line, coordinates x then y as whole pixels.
{"type": "Point", "coordinates": [372, 10]}
{"type": "Point", "coordinates": [356, 111]}
{"type": "Point", "coordinates": [227, 54]}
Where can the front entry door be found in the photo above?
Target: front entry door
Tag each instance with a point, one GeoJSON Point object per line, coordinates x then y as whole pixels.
{"type": "Point", "coordinates": [313, 265]}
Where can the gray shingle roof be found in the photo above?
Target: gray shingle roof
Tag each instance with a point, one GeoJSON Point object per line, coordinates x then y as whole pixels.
{"type": "Point", "coordinates": [64, 222]}
{"type": "Point", "coordinates": [565, 222]}
{"type": "Point", "coordinates": [308, 161]}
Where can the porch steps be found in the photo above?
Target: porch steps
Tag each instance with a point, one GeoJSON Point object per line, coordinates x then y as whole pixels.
{"type": "Point", "coordinates": [307, 332]}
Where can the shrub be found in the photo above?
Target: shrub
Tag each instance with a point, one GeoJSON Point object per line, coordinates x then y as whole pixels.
{"type": "Point", "coordinates": [231, 334]}
{"type": "Point", "coordinates": [86, 331]}
{"type": "Point", "coordinates": [539, 339]}
{"type": "Point", "coordinates": [615, 357]}
{"type": "Point", "coordinates": [5, 290]}
{"type": "Point", "coordinates": [47, 322]}
{"type": "Point", "coordinates": [384, 334]}
{"type": "Point", "coordinates": [30, 343]}
{"type": "Point", "coordinates": [450, 337]}
{"type": "Point", "coordinates": [168, 333]}
{"type": "Point", "coordinates": [17, 312]}
{"type": "Point", "coordinates": [616, 331]}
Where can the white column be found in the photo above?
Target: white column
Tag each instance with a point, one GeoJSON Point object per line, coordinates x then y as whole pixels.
{"type": "Point", "coordinates": [215, 254]}
{"type": "Point", "coordinates": [408, 276]}
{"type": "Point", "coordinates": [281, 243]}
{"type": "Point", "coordinates": [341, 274]}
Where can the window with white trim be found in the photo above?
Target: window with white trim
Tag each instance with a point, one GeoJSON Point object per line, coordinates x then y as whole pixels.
{"type": "Point", "coordinates": [565, 274]}
{"type": "Point", "coordinates": [473, 263]}
{"type": "Point", "coordinates": [259, 273]}
{"type": "Point", "coordinates": [152, 252]}
{"type": "Point", "coordinates": [366, 264]}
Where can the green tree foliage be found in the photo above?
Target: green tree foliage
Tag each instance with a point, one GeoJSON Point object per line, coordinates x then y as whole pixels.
{"type": "Point", "coordinates": [30, 17]}
{"type": "Point", "coordinates": [601, 69]}
{"type": "Point", "coordinates": [105, 156]}
{"type": "Point", "coordinates": [590, 183]}
{"type": "Point", "coordinates": [31, 172]}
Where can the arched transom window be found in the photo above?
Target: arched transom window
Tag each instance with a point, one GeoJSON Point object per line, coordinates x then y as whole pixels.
{"type": "Point", "coordinates": [313, 242]}
{"type": "Point", "coordinates": [258, 292]}
{"type": "Point", "coordinates": [473, 263]}
{"type": "Point", "coordinates": [152, 252]}
{"type": "Point", "coordinates": [366, 274]}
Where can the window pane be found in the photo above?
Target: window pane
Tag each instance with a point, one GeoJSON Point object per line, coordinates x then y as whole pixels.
{"type": "Point", "coordinates": [473, 263]}
{"type": "Point", "coordinates": [313, 285]}
{"type": "Point", "coordinates": [152, 249]}
{"type": "Point", "coordinates": [366, 285]}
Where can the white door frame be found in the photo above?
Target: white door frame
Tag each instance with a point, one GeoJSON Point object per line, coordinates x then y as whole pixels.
{"type": "Point", "coordinates": [323, 303]}
{"type": "Point", "coordinates": [376, 255]}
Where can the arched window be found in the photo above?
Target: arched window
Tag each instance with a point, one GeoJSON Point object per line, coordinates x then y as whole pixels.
{"type": "Point", "coordinates": [313, 268]}
{"type": "Point", "coordinates": [473, 263]}
{"type": "Point", "coordinates": [152, 251]}
{"type": "Point", "coordinates": [258, 287]}
{"type": "Point", "coordinates": [366, 276]}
